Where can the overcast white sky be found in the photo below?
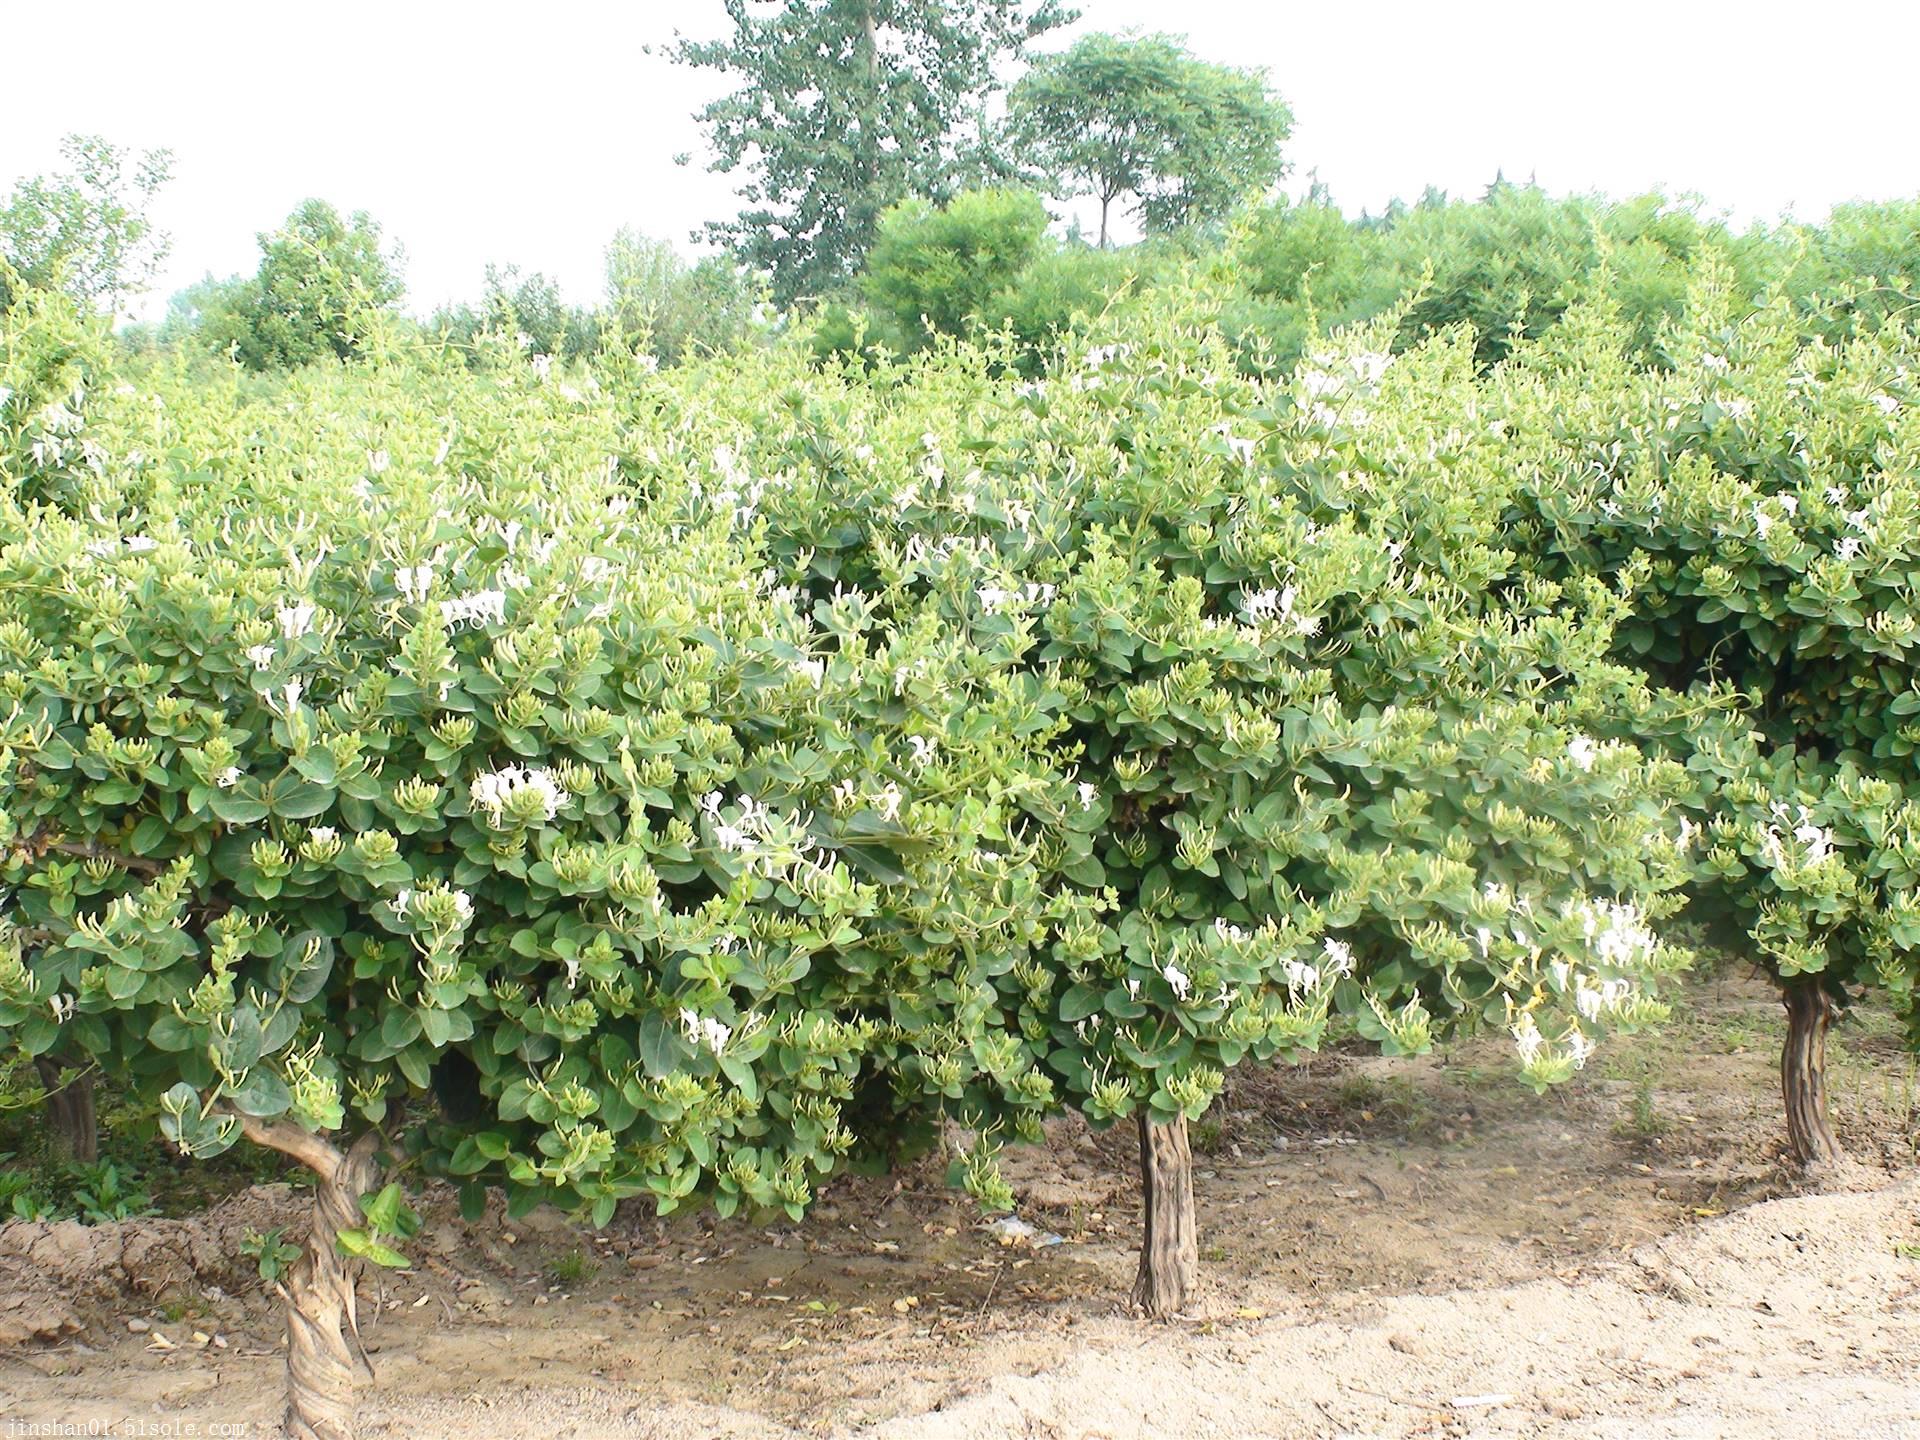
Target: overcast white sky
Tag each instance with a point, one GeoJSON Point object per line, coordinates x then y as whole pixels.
{"type": "Point", "coordinates": [528, 134]}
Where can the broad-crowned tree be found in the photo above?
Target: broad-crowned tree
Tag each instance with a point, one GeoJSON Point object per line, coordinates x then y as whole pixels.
{"type": "Point", "coordinates": [1113, 117]}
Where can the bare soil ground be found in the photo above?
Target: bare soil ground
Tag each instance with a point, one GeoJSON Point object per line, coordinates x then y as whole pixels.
{"type": "Point", "coordinates": [1404, 1248]}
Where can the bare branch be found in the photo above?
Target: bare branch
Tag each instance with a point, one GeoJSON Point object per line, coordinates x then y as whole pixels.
{"type": "Point", "coordinates": [316, 1152]}
{"type": "Point", "coordinates": [92, 851]}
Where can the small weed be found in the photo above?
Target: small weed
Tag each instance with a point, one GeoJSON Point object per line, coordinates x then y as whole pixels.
{"type": "Point", "coordinates": [1214, 1253]}
{"type": "Point", "coordinates": [572, 1268]}
{"type": "Point", "coordinates": [272, 1254]}
{"type": "Point", "coordinates": [1644, 1120]}
{"type": "Point", "coordinates": [104, 1193]}
{"type": "Point", "coordinates": [1208, 1134]}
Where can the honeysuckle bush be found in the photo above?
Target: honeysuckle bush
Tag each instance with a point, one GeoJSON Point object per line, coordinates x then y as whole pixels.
{"type": "Point", "coordinates": [1330, 749]}
{"type": "Point", "coordinates": [55, 357]}
{"type": "Point", "coordinates": [371, 724]}
{"type": "Point", "coordinates": [1767, 482]}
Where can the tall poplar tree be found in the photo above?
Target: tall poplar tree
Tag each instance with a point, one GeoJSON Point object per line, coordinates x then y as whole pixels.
{"type": "Point", "coordinates": [843, 107]}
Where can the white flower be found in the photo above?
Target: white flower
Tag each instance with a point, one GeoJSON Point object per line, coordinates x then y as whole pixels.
{"type": "Point", "coordinates": [1302, 976]}
{"type": "Point", "coordinates": [1581, 750]}
{"type": "Point", "coordinates": [495, 791]}
{"type": "Point", "coordinates": [293, 691]}
{"type": "Point", "coordinates": [1339, 955]}
{"type": "Point", "coordinates": [228, 778]}
{"type": "Point", "coordinates": [1886, 404]}
{"type": "Point", "coordinates": [1762, 522]}
{"type": "Point", "coordinates": [377, 461]}
{"type": "Point", "coordinates": [261, 656]}
{"type": "Point", "coordinates": [1260, 604]}
{"type": "Point", "coordinates": [705, 1030]}
{"type": "Point", "coordinates": [1318, 384]}
{"type": "Point", "coordinates": [295, 621]}
{"type": "Point", "coordinates": [1527, 1039]}
{"type": "Point", "coordinates": [1836, 496]}
{"type": "Point", "coordinates": [1847, 547]}
{"type": "Point", "coordinates": [813, 670]}
{"type": "Point", "coordinates": [542, 366]}
{"type": "Point", "coordinates": [440, 455]}
{"type": "Point", "coordinates": [1177, 978]}
{"type": "Point", "coordinates": [414, 583]}
{"type": "Point", "coordinates": [140, 544]}
{"type": "Point", "coordinates": [1088, 791]}
{"type": "Point", "coordinates": [1587, 1000]}
{"type": "Point", "coordinates": [63, 1007]}
{"type": "Point", "coordinates": [402, 903]}
{"type": "Point", "coordinates": [1817, 840]}
{"type": "Point", "coordinates": [1579, 1046]}
{"type": "Point", "coordinates": [1370, 365]}
{"type": "Point", "coordinates": [890, 802]}
{"type": "Point", "coordinates": [480, 608]}
{"type": "Point", "coordinates": [324, 834]}
{"type": "Point", "coordinates": [1716, 363]}
{"type": "Point", "coordinates": [924, 749]}
{"type": "Point", "coordinates": [711, 802]}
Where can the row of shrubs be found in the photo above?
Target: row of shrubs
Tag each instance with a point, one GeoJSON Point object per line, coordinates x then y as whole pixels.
{"type": "Point", "coordinates": [1509, 264]}
{"type": "Point", "coordinates": [602, 782]}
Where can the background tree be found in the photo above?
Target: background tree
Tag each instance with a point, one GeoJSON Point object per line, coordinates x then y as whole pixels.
{"type": "Point", "coordinates": [86, 231]}
{"type": "Point", "coordinates": [842, 107]}
{"type": "Point", "coordinates": [528, 305]}
{"type": "Point", "coordinates": [1115, 116]}
{"type": "Point", "coordinates": [940, 268]}
{"type": "Point", "coordinates": [320, 274]}
{"type": "Point", "coordinates": [673, 310]}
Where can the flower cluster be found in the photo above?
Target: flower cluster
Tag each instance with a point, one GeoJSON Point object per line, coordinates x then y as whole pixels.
{"type": "Point", "coordinates": [517, 794]}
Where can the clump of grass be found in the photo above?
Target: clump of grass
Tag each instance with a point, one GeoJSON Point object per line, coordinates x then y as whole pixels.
{"type": "Point", "coordinates": [1208, 1135]}
{"type": "Point", "coordinates": [1397, 1101]}
{"type": "Point", "coordinates": [572, 1268]}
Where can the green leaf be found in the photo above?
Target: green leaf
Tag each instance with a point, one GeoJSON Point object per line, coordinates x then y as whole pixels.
{"type": "Point", "coordinates": [362, 1246]}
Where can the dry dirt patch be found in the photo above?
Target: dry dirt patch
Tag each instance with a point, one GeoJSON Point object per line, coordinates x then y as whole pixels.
{"type": "Point", "coordinates": [1385, 1243]}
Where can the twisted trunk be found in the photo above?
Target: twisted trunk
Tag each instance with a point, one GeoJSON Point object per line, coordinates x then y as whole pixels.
{"type": "Point", "coordinates": [319, 1288]}
{"type": "Point", "coordinates": [70, 1114]}
{"type": "Point", "coordinates": [1169, 1273]}
{"type": "Point", "coordinates": [1803, 1075]}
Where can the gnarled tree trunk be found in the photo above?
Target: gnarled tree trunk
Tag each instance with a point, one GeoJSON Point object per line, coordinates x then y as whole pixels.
{"type": "Point", "coordinates": [70, 1116]}
{"type": "Point", "coordinates": [319, 1288]}
{"type": "Point", "coordinates": [1803, 1075]}
{"type": "Point", "coordinates": [1169, 1250]}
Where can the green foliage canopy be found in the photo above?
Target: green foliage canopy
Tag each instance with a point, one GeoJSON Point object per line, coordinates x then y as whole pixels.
{"type": "Point", "coordinates": [844, 107]}
{"type": "Point", "coordinates": [86, 231]}
{"type": "Point", "coordinates": [1113, 116]}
